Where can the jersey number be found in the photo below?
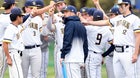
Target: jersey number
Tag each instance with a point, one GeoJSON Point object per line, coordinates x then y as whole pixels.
{"type": "Point", "coordinates": [99, 38]}
{"type": "Point", "coordinates": [124, 32]}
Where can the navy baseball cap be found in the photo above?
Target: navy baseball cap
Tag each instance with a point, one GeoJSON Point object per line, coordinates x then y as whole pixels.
{"type": "Point", "coordinates": [115, 10]}
{"type": "Point", "coordinates": [9, 1]}
{"type": "Point", "coordinates": [17, 11]}
{"type": "Point", "coordinates": [39, 3]}
{"type": "Point", "coordinates": [91, 11]}
{"type": "Point", "coordinates": [58, 1]}
{"type": "Point", "coordinates": [98, 15]}
{"type": "Point", "coordinates": [69, 8]}
{"type": "Point", "coordinates": [30, 3]}
{"type": "Point", "coordinates": [124, 2]}
{"type": "Point", "coordinates": [84, 10]}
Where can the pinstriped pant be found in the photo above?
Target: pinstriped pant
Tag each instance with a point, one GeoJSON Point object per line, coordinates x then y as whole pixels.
{"type": "Point", "coordinates": [58, 66]}
{"type": "Point", "coordinates": [73, 70]}
{"type": "Point", "coordinates": [3, 64]}
{"type": "Point", "coordinates": [93, 65]}
{"type": "Point", "coordinates": [15, 70]}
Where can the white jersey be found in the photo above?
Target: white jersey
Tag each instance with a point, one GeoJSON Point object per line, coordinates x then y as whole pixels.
{"type": "Point", "coordinates": [31, 35]}
{"type": "Point", "coordinates": [98, 37]}
{"type": "Point", "coordinates": [4, 22]}
{"type": "Point", "coordinates": [13, 36]}
{"type": "Point", "coordinates": [59, 31]}
{"type": "Point", "coordinates": [125, 28]}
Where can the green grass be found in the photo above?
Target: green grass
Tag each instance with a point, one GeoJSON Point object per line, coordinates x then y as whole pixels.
{"type": "Point", "coordinates": [50, 73]}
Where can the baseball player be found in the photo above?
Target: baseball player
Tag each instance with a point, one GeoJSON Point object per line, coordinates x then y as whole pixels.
{"type": "Point", "coordinates": [84, 14]}
{"type": "Point", "coordinates": [126, 40]}
{"type": "Point", "coordinates": [4, 22]}
{"type": "Point", "coordinates": [31, 32]}
{"type": "Point", "coordinates": [75, 48]}
{"type": "Point", "coordinates": [13, 44]}
{"type": "Point", "coordinates": [58, 29]}
{"type": "Point", "coordinates": [114, 11]}
{"type": "Point", "coordinates": [45, 39]}
{"type": "Point", "coordinates": [98, 38]}
{"type": "Point", "coordinates": [31, 39]}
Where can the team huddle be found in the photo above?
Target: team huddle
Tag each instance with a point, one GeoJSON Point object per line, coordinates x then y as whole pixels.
{"type": "Point", "coordinates": [82, 40]}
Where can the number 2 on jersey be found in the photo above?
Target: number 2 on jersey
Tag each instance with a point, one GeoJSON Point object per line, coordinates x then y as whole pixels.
{"type": "Point", "coordinates": [98, 38]}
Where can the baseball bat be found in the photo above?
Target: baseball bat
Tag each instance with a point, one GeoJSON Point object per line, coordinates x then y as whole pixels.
{"type": "Point", "coordinates": [64, 72]}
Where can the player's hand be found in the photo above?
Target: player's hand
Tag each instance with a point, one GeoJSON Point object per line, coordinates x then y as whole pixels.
{"type": "Point", "coordinates": [84, 21]}
{"type": "Point", "coordinates": [9, 61]}
{"type": "Point", "coordinates": [61, 60]}
{"type": "Point", "coordinates": [79, 14]}
{"type": "Point", "coordinates": [95, 1]}
{"type": "Point", "coordinates": [102, 60]}
{"type": "Point", "coordinates": [33, 11]}
{"type": "Point", "coordinates": [134, 57]}
{"type": "Point", "coordinates": [51, 11]}
{"type": "Point", "coordinates": [52, 4]}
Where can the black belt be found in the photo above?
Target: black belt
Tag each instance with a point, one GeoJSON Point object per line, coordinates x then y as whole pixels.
{"type": "Point", "coordinates": [120, 48]}
{"type": "Point", "coordinates": [96, 52]}
{"type": "Point", "coordinates": [30, 47]}
{"type": "Point", "coordinates": [0, 44]}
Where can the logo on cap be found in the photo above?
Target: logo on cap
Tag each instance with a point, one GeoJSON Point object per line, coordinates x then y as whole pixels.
{"type": "Point", "coordinates": [70, 8]}
{"type": "Point", "coordinates": [83, 10]}
{"type": "Point", "coordinates": [34, 3]}
{"type": "Point", "coordinates": [124, 1]}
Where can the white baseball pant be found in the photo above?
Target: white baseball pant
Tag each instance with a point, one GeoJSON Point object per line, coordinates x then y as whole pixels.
{"type": "Point", "coordinates": [122, 64]}
{"type": "Point", "coordinates": [1, 60]}
{"type": "Point", "coordinates": [73, 69]}
{"type": "Point", "coordinates": [58, 66]}
{"type": "Point", "coordinates": [138, 67]}
{"type": "Point", "coordinates": [3, 64]}
{"type": "Point", "coordinates": [93, 65]}
{"type": "Point", "coordinates": [109, 67]}
{"type": "Point", "coordinates": [44, 65]}
{"type": "Point", "coordinates": [32, 57]}
{"type": "Point", "coordinates": [15, 70]}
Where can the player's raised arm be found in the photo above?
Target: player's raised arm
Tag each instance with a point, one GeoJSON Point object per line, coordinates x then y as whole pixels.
{"type": "Point", "coordinates": [96, 23]}
{"type": "Point", "coordinates": [98, 6]}
{"type": "Point", "coordinates": [43, 10]}
{"type": "Point", "coordinates": [50, 24]}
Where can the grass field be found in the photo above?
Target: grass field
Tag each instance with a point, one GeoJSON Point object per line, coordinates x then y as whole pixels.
{"type": "Point", "coordinates": [50, 73]}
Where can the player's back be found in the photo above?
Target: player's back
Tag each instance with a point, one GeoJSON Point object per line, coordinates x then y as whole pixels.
{"type": "Point", "coordinates": [98, 37]}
